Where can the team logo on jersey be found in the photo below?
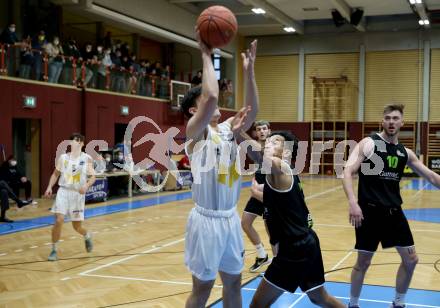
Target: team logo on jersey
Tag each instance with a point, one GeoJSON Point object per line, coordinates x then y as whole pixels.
{"type": "Point", "coordinates": [309, 220]}
{"type": "Point", "coordinates": [400, 153]}
{"type": "Point", "coordinates": [81, 163]}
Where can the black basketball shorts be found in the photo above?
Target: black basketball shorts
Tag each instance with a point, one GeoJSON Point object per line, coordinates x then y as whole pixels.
{"type": "Point", "coordinates": [254, 207]}
{"type": "Point", "coordinates": [384, 225]}
{"type": "Point", "coordinates": [298, 264]}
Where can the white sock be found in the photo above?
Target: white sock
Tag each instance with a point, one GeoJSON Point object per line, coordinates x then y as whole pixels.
{"type": "Point", "coordinates": [399, 299]}
{"type": "Point", "coordinates": [87, 236]}
{"type": "Point", "coordinates": [261, 253]}
{"type": "Point", "coordinates": [354, 301]}
{"type": "Point", "coordinates": [54, 246]}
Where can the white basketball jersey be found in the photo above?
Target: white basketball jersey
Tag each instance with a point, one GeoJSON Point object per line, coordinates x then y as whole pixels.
{"type": "Point", "coordinates": [217, 182]}
{"type": "Point", "coordinates": [73, 171]}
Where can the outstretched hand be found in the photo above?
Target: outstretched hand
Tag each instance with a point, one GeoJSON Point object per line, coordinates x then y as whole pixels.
{"type": "Point", "coordinates": [239, 120]}
{"type": "Point", "coordinates": [205, 49]}
{"type": "Point", "coordinates": [249, 56]}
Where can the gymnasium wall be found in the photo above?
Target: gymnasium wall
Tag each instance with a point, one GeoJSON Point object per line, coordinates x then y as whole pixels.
{"type": "Point", "coordinates": [393, 67]}
{"type": "Point", "coordinates": [63, 110]}
{"type": "Point", "coordinates": [434, 110]}
{"type": "Point", "coordinates": [393, 76]}
{"type": "Point", "coordinates": [329, 66]}
{"type": "Point", "coordinates": [278, 87]}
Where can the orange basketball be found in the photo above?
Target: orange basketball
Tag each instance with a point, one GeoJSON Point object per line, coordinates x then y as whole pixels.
{"type": "Point", "coordinates": [217, 26]}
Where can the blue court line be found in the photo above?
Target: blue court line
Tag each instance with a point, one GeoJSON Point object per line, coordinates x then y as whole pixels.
{"type": "Point", "coordinates": [372, 296]}
{"type": "Point", "coordinates": [44, 221]}
{"type": "Point", "coordinates": [426, 215]}
{"type": "Point", "coordinates": [419, 184]}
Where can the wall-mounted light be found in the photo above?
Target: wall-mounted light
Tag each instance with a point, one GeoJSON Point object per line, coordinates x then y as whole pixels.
{"type": "Point", "coordinates": [258, 10]}
{"type": "Point", "coordinates": [125, 111]}
{"type": "Point", "coordinates": [289, 29]}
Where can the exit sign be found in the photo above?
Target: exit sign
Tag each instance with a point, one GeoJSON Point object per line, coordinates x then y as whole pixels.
{"type": "Point", "coordinates": [29, 102]}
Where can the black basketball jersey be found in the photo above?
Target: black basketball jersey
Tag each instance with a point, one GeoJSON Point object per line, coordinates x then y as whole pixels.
{"type": "Point", "coordinates": [382, 188]}
{"type": "Point", "coordinates": [289, 216]}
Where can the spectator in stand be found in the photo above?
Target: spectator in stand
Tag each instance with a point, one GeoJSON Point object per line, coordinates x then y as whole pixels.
{"type": "Point", "coordinates": [144, 83]}
{"type": "Point", "coordinates": [165, 76]}
{"type": "Point", "coordinates": [155, 75]}
{"type": "Point", "coordinates": [8, 36]}
{"type": "Point", "coordinates": [125, 62]}
{"type": "Point", "coordinates": [72, 55]}
{"type": "Point", "coordinates": [104, 68]}
{"type": "Point", "coordinates": [134, 64]}
{"type": "Point", "coordinates": [108, 41]}
{"type": "Point", "coordinates": [55, 59]}
{"type": "Point", "coordinates": [135, 70]}
{"type": "Point", "coordinates": [26, 58]}
{"type": "Point", "coordinates": [157, 68]}
{"type": "Point", "coordinates": [14, 177]}
{"type": "Point", "coordinates": [125, 49]}
{"type": "Point", "coordinates": [197, 79]}
{"type": "Point", "coordinates": [118, 80]}
{"type": "Point", "coordinates": [87, 56]}
{"type": "Point", "coordinates": [38, 45]}
{"type": "Point", "coordinates": [116, 46]}
{"type": "Point", "coordinates": [97, 59]}
{"type": "Point", "coordinates": [126, 67]}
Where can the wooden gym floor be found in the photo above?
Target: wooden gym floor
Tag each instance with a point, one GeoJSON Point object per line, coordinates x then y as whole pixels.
{"type": "Point", "coordinates": [138, 250]}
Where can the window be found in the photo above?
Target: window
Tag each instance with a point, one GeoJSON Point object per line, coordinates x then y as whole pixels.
{"type": "Point", "coordinates": [217, 66]}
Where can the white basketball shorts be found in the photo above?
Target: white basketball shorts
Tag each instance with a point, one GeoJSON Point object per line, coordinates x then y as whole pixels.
{"type": "Point", "coordinates": [70, 203]}
{"type": "Point", "coordinates": [213, 243]}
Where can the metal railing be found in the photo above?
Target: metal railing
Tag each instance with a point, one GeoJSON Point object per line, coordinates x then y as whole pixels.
{"type": "Point", "coordinates": [35, 64]}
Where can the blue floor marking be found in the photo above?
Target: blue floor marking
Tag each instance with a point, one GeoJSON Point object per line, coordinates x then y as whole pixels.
{"type": "Point", "coordinates": [426, 215]}
{"type": "Point", "coordinates": [419, 184]}
{"type": "Point", "coordinates": [371, 297]}
{"type": "Point", "coordinates": [44, 221]}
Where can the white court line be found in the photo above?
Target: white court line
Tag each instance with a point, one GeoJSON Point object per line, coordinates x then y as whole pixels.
{"type": "Point", "coordinates": [130, 257]}
{"type": "Point", "coordinates": [87, 273]}
{"type": "Point", "coordinates": [348, 226]}
{"type": "Point", "coordinates": [361, 299]}
{"type": "Point", "coordinates": [332, 269]}
{"type": "Point", "coordinates": [139, 279]}
{"type": "Point", "coordinates": [388, 302]}
{"type": "Point", "coordinates": [420, 190]}
{"type": "Point", "coordinates": [323, 192]}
